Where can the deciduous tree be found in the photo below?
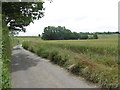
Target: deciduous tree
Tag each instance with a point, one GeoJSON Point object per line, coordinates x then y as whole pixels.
{"type": "Point", "coordinates": [17, 15]}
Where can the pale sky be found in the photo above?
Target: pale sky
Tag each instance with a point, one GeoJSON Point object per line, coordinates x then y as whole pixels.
{"type": "Point", "coordinates": [78, 16]}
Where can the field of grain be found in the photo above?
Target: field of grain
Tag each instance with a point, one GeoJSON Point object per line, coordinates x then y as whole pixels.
{"type": "Point", "coordinates": [94, 59]}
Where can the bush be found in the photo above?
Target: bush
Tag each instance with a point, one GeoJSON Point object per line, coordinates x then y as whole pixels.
{"type": "Point", "coordinates": [83, 36]}
{"type": "Point", "coordinates": [95, 36]}
{"type": "Point", "coordinates": [91, 37]}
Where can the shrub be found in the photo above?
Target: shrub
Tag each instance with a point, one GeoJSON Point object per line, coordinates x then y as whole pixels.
{"type": "Point", "coordinates": [95, 36]}
{"type": "Point", "coordinates": [83, 36]}
{"type": "Point", "coordinates": [91, 37]}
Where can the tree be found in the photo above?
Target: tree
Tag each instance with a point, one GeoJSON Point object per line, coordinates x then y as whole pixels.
{"type": "Point", "coordinates": [83, 36]}
{"type": "Point", "coordinates": [17, 15]}
{"type": "Point", "coordinates": [48, 33]}
{"type": "Point", "coordinates": [56, 33]}
{"type": "Point", "coordinates": [75, 35]}
{"type": "Point", "coordinates": [95, 36]}
{"type": "Point", "coordinates": [59, 33]}
{"type": "Point", "coordinates": [38, 35]}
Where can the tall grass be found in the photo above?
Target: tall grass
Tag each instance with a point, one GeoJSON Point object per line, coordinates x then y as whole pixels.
{"type": "Point", "coordinates": [0, 53]}
{"type": "Point", "coordinates": [96, 60]}
{"type": "Point", "coordinates": [6, 58]}
{"type": "Point", "coordinates": [6, 45]}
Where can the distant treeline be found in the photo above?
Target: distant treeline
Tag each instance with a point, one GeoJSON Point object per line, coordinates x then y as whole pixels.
{"type": "Point", "coordinates": [90, 33]}
{"type": "Point", "coordinates": [61, 33]}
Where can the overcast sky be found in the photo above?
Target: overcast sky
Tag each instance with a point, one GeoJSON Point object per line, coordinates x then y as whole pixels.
{"type": "Point", "coordinates": [78, 16]}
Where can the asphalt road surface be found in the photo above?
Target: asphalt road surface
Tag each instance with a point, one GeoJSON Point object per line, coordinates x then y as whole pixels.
{"type": "Point", "coordinates": [31, 71]}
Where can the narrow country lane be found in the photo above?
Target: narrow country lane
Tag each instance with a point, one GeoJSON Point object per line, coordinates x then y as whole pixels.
{"type": "Point", "coordinates": [31, 71]}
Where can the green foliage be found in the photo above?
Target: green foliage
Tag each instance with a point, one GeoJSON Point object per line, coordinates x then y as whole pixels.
{"type": "Point", "coordinates": [20, 14]}
{"type": "Point", "coordinates": [57, 58]}
{"type": "Point", "coordinates": [15, 16]}
{"type": "Point", "coordinates": [107, 33]}
{"type": "Point", "coordinates": [102, 33]}
{"type": "Point", "coordinates": [6, 57]}
{"type": "Point", "coordinates": [53, 56]}
{"type": "Point", "coordinates": [31, 49]}
{"type": "Point", "coordinates": [76, 69]}
{"type": "Point", "coordinates": [61, 33]}
{"type": "Point", "coordinates": [38, 35]}
{"type": "Point", "coordinates": [95, 60]}
{"type": "Point", "coordinates": [14, 41]}
{"type": "Point", "coordinates": [75, 35]}
{"type": "Point", "coordinates": [25, 44]}
{"type": "Point", "coordinates": [95, 36]}
{"type": "Point", "coordinates": [55, 33]}
{"type": "Point", "coordinates": [42, 52]}
{"type": "Point", "coordinates": [58, 33]}
{"type": "Point", "coordinates": [0, 57]}
{"type": "Point", "coordinates": [83, 36]}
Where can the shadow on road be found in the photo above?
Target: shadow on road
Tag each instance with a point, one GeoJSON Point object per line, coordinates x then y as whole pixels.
{"type": "Point", "coordinates": [30, 71]}
{"type": "Point", "coordinates": [22, 60]}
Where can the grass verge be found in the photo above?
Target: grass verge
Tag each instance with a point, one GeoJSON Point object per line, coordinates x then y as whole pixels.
{"type": "Point", "coordinates": [79, 61]}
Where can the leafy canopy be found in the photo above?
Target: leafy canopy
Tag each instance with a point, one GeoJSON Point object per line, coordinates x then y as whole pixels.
{"type": "Point", "coordinates": [16, 15]}
{"type": "Point", "coordinates": [60, 33]}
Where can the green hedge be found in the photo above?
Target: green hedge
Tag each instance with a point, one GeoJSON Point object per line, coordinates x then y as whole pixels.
{"type": "Point", "coordinates": [6, 58]}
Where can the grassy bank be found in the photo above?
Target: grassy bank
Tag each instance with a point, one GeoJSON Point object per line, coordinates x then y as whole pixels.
{"type": "Point", "coordinates": [0, 64]}
{"type": "Point", "coordinates": [6, 58]}
{"type": "Point", "coordinates": [95, 60]}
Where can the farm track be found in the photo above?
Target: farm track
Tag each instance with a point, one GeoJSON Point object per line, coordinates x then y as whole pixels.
{"type": "Point", "coordinates": [31, 71]}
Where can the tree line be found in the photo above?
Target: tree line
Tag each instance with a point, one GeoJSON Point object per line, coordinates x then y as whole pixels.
{"type": "Point", "coordinates": [90, 33]}
{"type": "Point", "coordinates": [61, 33]}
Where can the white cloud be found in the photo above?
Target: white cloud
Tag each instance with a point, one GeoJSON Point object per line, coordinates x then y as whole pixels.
{"type": "Point", "coordinates": [78, 16]}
